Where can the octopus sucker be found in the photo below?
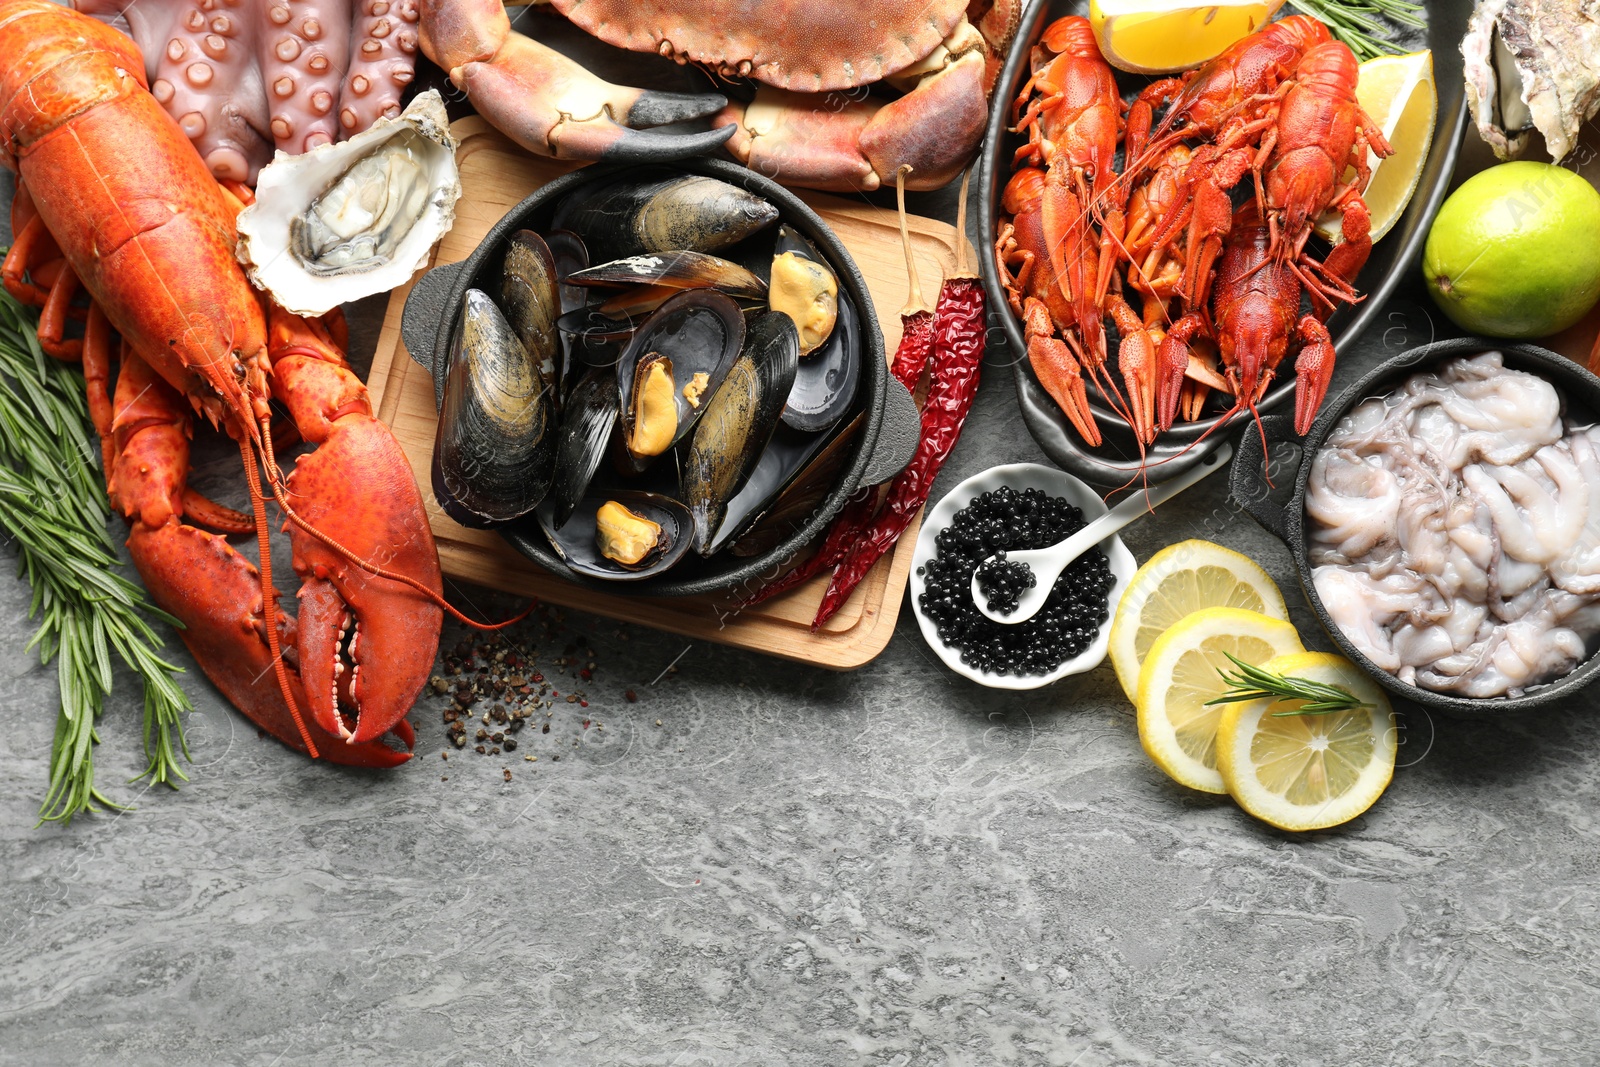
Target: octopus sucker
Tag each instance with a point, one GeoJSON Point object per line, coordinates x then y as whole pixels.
{"type": "Point", "coordinates": [267, 78]}
{"type": "Point", "coordinates": [1455, 530]}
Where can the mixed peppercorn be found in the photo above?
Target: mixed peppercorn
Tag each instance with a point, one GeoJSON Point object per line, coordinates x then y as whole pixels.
{"type": "Point", "coordinates": [497, 685]}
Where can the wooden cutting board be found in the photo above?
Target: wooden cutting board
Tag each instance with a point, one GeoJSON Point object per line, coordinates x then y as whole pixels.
{"type": "Point", "coordinates": [495, 176]}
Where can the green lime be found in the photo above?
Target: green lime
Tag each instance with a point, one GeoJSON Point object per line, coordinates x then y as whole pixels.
{"type": "Point", "coordinates": [1515, 252]}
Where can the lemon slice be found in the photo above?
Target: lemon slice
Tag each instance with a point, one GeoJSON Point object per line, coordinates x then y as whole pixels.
{"type": "Point", "coordinates": [1164, 36]}
{"type": "Point", "coordinates": [1308, 772]}
{"type": "Point", "coordinates": [1177, 729]}
{"type": "Point", "coordinates": [1179, 579]}
{"type": "Point", "coordinates": [1399, 93]}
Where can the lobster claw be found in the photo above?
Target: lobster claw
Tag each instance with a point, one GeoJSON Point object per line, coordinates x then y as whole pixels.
{"type": "Point", "coordinates": [1313, 370]}
{"type": "Point", "coordinates": [551, 105]}
{"type": "Point", "coordinates": [200, 579]}
{"type": "Point", "coordinates": [354, 510]}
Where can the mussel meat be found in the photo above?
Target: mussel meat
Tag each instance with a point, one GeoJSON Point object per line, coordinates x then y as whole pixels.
{"type": "Point", "coordinates": [680, 269]}
{"type": "Point", "coordinates": [587, 422]}
{"type": "Point", "coordinates": [624, 535]}
{"type": "Point", "coordinates": [803, 287]}
{"type": "Point", "coordinates": [659, 211]}
{"type": "Point", "coordinates": [494, 449]}
{"type": "Point", "coordinates": [738, 422]}
{"type": "Point", "coordinates": [681, 351]}
{"type": "Point", "coordinates": [826, 383]}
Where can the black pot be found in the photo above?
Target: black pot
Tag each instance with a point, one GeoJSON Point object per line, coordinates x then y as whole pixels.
{"type": "Point", "coordinates": [1117, 461]}
{"type": "Point", "coordinates": [884, 445]}
{"type": "Point", "coordinates": [1580, 391]}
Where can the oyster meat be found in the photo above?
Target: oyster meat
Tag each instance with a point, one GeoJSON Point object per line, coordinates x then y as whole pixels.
{"type": "Point", "coordinates": [357, 217]}
{"type": "Point", "coordinates": [1533, 65]}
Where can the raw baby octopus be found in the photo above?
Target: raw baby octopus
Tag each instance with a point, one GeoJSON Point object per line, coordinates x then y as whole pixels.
{"type": "Point", "coordinates": [1456, 530]}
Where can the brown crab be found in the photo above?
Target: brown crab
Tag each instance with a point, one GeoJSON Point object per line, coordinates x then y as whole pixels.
{"type": "Point", "coordinates": [811, 122]}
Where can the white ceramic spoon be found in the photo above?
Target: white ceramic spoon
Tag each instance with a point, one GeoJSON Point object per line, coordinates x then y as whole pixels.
{"type": "Point", "coordinates": [1049, 562]}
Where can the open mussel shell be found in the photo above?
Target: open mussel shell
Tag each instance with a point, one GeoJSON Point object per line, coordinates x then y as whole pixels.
{"type": "Point", "coordinates": [658, 211]}
{"type": "Point", "coordinates": [587, 423]}
{"type": "Point", "coordinates": [804, 287]}
{"type": "Point", "coordinates": [493, 451]}
{"type": "Point", "coordinates": [680, 268]}
{"type": "Point", "coordinates": [673, 366]}
{"type": "Point", "coordinates": [570, 256]}
{"type": "Point", "coordinates": [576, 543]}
{"type": "Point", "coordinates": [738, 423]}
{"type": "Point", "coordinates": [530, 293]}
{"type": "Point", "coordinates": [826, 384]}
{"type": "Point", "coordinates": [796, 473]}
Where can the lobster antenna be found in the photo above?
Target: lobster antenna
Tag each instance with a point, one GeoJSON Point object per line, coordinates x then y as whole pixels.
{"type": "Point", "coordinates": [916, 303]}
{"type": "Point", "coordinates": [269, 598]}
{"type": "Point", "coordinates": [366, 565]}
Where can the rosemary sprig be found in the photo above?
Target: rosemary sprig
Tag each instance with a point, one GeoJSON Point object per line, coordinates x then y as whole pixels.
{"type": "Point", "coordinates": [1254, 683]}
{"type": "Point", "coordinates": [1358, 23]}
{"type": "Point", "coordinates": [53, 509]}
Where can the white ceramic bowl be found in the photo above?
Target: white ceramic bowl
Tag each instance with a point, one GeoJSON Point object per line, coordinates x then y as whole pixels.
{"type": "Point", "coordinates": [1019, 476]}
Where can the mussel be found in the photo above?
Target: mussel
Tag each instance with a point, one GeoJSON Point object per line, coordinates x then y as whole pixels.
{"type": "Point", "coordinates": [803, 287]}
{"type": "Point", "coordinates": [493, 451]}
{"type": "Point", "coordinates": [570, 256]}
{"type": "Point", "coordinates": [780, 514]}
{"type": "Point", "coordinates": [827, 381]}
{"type": "Point", "coordinates": [624, 535]}
{"type": "Point", "coordinates": [587, 422]}
{"type": "Point", "coordinates": [659, 211]}
{"type": "Point", "coordinates": [680, 269]}
{"type": "Point", "coordinates": [738, 422]}
{"type": "Point", "coordinates": [679, 356]}
{"type": "Point", "coordinates": [530, 293]}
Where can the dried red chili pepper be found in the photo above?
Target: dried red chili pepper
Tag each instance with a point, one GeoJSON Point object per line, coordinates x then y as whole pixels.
{"type": "Point", "coordinates": [958, 336]}
{"type": "Point", "coordinates": [910, 360]}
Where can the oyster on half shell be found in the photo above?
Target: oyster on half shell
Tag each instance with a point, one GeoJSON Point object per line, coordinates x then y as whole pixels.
{"type": "Point", "coordinates": [1533, 65]}
{"type": "Point", "coordinates": [353, 218]}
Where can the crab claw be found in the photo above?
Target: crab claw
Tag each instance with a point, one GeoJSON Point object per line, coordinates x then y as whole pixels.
{"type": "Point", "coordinates": [355, 506]}
{"type": "Point", "coordinates": [551, 105]}
{"type": "Point", "coordinates": [200, 579]}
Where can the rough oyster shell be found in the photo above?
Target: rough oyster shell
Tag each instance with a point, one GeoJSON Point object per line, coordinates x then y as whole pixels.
{"type": "Point", "coordinates": [354, 218]}
{"type": "Point", "coordinates": [1533, 64]}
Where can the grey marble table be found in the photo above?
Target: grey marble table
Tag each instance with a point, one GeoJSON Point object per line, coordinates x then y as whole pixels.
{"type": "Point", "coordinates": [762, 863]}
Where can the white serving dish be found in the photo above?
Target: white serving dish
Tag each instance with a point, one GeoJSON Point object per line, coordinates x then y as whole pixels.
{"type": "Point", "coordinates": [1019, 476]}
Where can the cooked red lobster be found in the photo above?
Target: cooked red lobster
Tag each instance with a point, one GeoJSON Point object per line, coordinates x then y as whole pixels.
{"type": "Point", "coordinates": [114, 198]}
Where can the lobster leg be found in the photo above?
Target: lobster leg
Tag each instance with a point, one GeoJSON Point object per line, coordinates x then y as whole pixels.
{"type": "Point", "coordinates": [352, 501]}
{"type": "Point", "coordinates": [197, 576]}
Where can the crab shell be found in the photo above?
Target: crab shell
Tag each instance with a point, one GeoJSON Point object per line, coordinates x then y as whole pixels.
{"type": "Point", "coordinates": [289, 184]}
{"type": "Point", "coordinates": [804, 45]}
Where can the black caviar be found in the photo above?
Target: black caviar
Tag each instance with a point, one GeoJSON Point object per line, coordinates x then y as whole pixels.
{"type": "Point", "coordinates": [1003, 582]}
{"type": "Point", "coordinates": [1008, 520]}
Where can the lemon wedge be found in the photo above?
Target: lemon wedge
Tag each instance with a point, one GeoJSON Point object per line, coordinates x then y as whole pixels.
{"type": "Point", "coordinates": [1400, 95]}
{"type": "Point", "coordinates": [1177, 729]}
{"type": "Point", "coordinates": [1165, 36]}
{"type": "Point", "coordinates": [1308, 772]}
{"type": "Point", "coordinates": [1180, 579]}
